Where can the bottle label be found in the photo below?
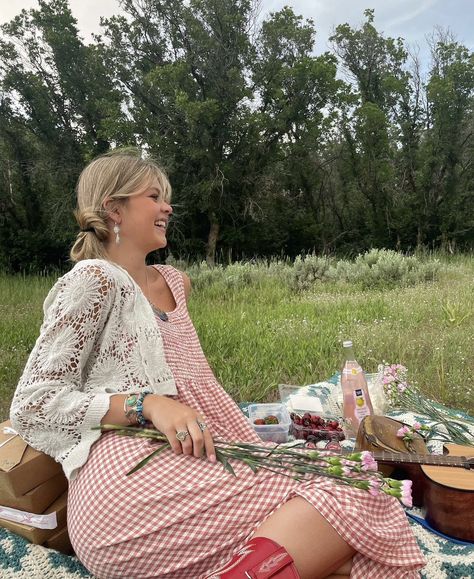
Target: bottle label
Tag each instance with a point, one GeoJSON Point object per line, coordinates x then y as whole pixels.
{"type": "Point", "coordinates": [351, 371]}
{"type": "Point", "coordinates": [360, 405]}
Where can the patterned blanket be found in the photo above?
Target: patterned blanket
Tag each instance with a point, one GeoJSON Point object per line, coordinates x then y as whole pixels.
{"type": "Point", "coordinates": [446, 559]}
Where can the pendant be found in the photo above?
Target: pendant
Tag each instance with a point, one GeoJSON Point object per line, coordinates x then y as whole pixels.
{"type": "Point", "coordinates": [160, 313]}
{"type": "Point", "coordinates": [163, 316]}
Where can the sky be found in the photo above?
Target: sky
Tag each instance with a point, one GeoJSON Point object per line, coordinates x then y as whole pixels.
{"type": "Point", "coordinates": [413, 20]}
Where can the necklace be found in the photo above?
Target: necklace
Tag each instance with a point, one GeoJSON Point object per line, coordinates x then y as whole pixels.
{"type": "Point", "coordinates": [160, 313]}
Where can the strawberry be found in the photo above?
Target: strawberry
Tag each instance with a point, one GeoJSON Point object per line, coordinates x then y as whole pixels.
{"type": "Point", "coordinates": [271, 420]}
{"type": "Point", "coordinates": [259, 421]}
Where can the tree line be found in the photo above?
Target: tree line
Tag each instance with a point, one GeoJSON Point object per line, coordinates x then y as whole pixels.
{"type": "Point", "coordinates": [271, 149]}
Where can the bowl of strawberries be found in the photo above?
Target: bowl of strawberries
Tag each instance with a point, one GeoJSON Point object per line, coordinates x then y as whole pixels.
{"type": "Point", "coordinates": [270, 421]}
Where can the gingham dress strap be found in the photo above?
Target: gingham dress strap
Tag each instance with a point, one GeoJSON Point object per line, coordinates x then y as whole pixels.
{"type": "Point", "coordinates": [174, 279]}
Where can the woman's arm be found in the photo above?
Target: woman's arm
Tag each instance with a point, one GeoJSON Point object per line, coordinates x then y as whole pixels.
{"type": "Point", "coordinates": [51, 409]}
{"type": "Point", "coordinates": [169, 417]}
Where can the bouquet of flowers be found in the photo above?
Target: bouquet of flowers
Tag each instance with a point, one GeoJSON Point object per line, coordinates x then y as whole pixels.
{"type": "Point", "coordinates": [358, 469]}
{"type": "Point", "coordinates": [404, 396]}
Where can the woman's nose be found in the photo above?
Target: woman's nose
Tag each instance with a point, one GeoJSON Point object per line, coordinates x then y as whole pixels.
{"type": "Point", "coordinates": [167, 208]}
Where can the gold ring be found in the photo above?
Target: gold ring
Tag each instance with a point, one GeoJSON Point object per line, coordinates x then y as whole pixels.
{"type": "Point", "coordinates": [181, 435]}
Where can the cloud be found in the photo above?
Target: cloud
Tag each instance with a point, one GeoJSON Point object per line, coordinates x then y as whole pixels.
{"type": "Point", "coordinates": [87, 12]}
{"type": "Point", "coordinates": [8, 10]}
{"type": "Point", "coordinates": [407, 14]}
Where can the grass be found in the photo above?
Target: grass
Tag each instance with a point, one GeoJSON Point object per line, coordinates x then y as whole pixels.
{"type": "Point", "coordinates": [259, 333]}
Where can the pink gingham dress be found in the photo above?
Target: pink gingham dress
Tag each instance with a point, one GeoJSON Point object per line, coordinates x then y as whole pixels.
{"type": "Point", "coordinates": [180, 517]}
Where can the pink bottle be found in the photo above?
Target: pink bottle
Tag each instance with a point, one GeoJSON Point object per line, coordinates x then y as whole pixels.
{"type": "Point", "coordinates": [356, 400]}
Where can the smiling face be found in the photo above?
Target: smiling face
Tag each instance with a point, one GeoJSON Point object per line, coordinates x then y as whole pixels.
{"type": "Point", "coordinates": [144, 218]}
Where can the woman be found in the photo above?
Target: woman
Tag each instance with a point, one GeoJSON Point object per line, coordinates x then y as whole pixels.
{"type": "Point", "coordinates": [117, 347]}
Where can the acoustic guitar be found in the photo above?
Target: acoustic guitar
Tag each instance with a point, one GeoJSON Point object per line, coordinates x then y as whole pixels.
{"type": "Point", "coordinates": [442, 484]}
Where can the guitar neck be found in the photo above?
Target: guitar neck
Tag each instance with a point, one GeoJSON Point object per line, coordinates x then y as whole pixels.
{"type": "Point", "coordinates": [431, 459]}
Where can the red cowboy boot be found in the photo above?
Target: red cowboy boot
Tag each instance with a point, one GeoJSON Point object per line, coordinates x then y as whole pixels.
{"type": "Point", "coordinates": [260, 558]}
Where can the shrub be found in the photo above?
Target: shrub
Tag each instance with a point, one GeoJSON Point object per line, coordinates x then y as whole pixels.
{"type": "Point", "coordinates": [281, 270]}
{"type": "Point", "coordinates": [239, 275]}
{"type": "Point", "coordinates": [203, 276]}
{"type": "Point", "coordinates": [307, 271]}
{"type": "Point", "coordinates": [384, 268]}
{"type": "Point", "coordinates": [378, 268]}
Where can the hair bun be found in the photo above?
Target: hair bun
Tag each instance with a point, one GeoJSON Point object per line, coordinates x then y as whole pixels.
{"type": "Point", "coordinates": [90, 221]}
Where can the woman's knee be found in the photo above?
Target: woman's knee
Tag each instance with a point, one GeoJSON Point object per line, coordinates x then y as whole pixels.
{"type": "Point", "coordinates": [317, 549]}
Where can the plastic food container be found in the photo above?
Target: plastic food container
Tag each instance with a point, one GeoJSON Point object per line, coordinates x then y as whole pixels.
{"type": "Point", "coordinates": [270, 432]}
{"type": "Point", "coordinates": [315, 427]}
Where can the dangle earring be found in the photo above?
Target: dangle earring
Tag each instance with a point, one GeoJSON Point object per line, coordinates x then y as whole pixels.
{"type": "Point", "coordinates": [117, 232]}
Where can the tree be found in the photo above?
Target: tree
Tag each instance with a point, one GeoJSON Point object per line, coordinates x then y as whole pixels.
{"type": "Point", "coordinates": [444, 210]}
{"type": "Point", "coordinates": [187, 87]}
{"type": "Point", "coordinates": [220, 105]}
{"type": "Point", "coordinates": [59, 110]}
{"type": "Point", "coordinates": [375, 130]}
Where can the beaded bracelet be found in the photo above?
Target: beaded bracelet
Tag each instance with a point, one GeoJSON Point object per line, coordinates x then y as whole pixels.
{"type": "Point", "coordinates": [133, 408]}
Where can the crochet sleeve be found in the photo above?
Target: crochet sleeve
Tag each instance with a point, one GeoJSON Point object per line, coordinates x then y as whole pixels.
{"type": "Point", "coordinates": [50, 408]}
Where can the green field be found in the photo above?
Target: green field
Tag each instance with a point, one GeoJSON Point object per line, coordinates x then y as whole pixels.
{"type": "Point", "coordinates": [258, 330]}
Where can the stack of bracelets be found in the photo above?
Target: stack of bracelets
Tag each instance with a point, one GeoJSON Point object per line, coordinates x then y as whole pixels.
{"type": "Point", "coordinates": [133, 408]}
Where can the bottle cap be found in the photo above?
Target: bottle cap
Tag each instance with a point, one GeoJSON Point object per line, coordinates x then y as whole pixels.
{"type": "Point", "coordinates": [347, 344]}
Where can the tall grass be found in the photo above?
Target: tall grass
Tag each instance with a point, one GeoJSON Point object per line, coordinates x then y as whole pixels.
{"type": "Point", "coordinates": [266, 333]}
{"type": "Point", "coordinates": [21, 315]}
{"type": "Point", "coordinates": [258, 330]}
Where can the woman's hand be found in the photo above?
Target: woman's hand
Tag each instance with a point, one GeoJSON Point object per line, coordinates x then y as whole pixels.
{"type": "Point", "coordinates": [170, 417]}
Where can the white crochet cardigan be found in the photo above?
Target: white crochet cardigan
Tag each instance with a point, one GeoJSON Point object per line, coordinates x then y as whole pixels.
{"type": "Point", "coordinates": [99, 337]}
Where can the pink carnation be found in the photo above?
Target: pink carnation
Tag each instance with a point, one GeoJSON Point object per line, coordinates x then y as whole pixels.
{"type": "Point", "coordinates": [416, 426]}
{"type": "Point", "coordinates": [375, 486]}
{"type": "Point", "coordinates": [403, 431]}
{"type": "Point", "coordinates": [368, 461]}
{"type": "Point", "coordinates": [406, 497]}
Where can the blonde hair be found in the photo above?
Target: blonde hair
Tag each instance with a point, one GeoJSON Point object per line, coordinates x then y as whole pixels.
{"type": "Point", "coordinates": [116, 176]}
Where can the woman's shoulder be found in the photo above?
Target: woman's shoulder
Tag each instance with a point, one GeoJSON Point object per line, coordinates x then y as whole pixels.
{"type": "Point", "coordinates": [101, 270]}
{"type": "Point", "coordinates": [88, 277]}
{"type": "Point", "coordinates": [94, 267]}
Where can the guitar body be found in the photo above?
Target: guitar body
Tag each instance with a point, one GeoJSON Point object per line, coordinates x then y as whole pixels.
{"type": "Point", "coordinates": [449, 497]}
{"type": "Point", "coordinates": [445, 492]}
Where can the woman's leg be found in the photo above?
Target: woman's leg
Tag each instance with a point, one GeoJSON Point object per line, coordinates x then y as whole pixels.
{"type": "Point", "coordinates": [343, 572]}
{"type": "Point", "coordinates": [316, 548]}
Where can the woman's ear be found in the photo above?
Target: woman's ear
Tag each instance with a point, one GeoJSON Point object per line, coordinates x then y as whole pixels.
{"type": "Point", "coordinates": [112, 208]}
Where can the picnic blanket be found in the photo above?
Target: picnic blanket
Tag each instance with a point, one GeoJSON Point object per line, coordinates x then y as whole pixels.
{"type": "Point", "coordinates": [446, 559]}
